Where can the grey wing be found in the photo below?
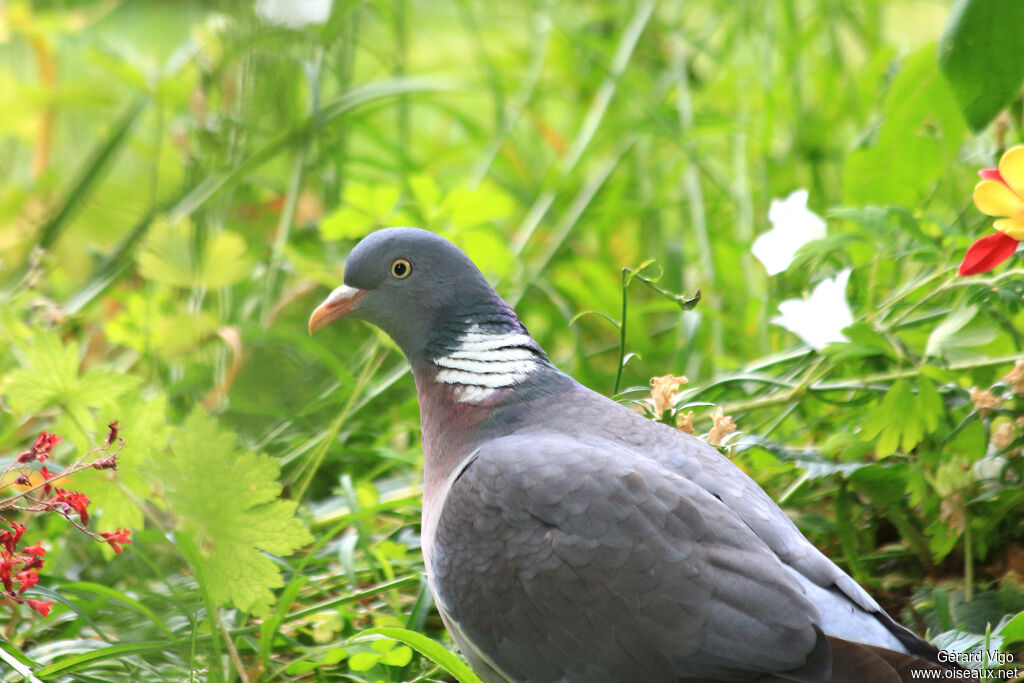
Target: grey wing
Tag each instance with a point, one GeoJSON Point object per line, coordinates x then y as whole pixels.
{"type": "Point", "coordinates": [847, 611]}
{"type": "Point", "coordinates": [563, 560]}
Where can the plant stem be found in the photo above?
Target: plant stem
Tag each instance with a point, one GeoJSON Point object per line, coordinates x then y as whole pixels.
{"type": "Point", "coordinates": [622, 331]}
{"type": "Point", "coordinates": [968, 559]}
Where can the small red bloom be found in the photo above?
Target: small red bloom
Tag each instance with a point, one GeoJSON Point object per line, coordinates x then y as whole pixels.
{"type": "Point", "coordinates": [22, 480]}
{"type": "Point", "coordinates": [9, 539]}
{"type": "Point", "coordinates": [34, 562]}
{"type": "Point", "coordinates": [28, 578]}
{"type": "Point", "coordinates": [47, 476]}
{"type": "Point", "coordinates": [115, 538]}
{"type": "Point", "coordinates": [40, 606]}
{"type": "Point", "coordinates": [45, 443]}
{"type": "Point", "coordinates": [987, 253]}
{"type": "Point", "coordinates": [26, 456]}
{"type": "Point", "coordinates": [6, 565]}
{"type": "Point", "coordinates": [36, 549]}
{"type": "Point", "coordinates": [72, 499]}
{"type": "Point", "coordinates": [106, 463]}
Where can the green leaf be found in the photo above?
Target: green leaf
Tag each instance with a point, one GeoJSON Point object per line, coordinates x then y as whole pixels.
{"type": "Point", "coordinates": [430, 649]}
{"type": "Point", "coordinates": [226, 501]}
{"type": "Point", "coordinates": [364, 208]}
{"type": "Point", "coordinates": [920, 135]}
{"type": "Point", "coordinates": [467, 208]}
{"type": "Point", "coordinates": [50, 378]}
{"type": "Point", "coordinates": [892, 421]}
{"type": "Point", "coordinates": [951, 337]}
{"type": "Point", "coordinates": [875, 176]}
{"type": "Point", "coordinates": [1013, 630]}
{"type": "Point", "coordinates": [169, 256]}
{"type": "Point", "coordinates": [982, 55]}
{"type": "Point", "coordinates": [902, 419]}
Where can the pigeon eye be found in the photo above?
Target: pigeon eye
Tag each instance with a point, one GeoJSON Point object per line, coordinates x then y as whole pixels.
{"type": "Point", "coordinates": [401, 268]}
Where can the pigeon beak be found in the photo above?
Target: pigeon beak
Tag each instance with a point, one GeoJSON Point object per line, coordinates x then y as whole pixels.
{"type": "Point", "coordinates": [338, 303]}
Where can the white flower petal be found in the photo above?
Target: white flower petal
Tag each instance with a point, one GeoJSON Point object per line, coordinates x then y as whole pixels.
{"type": "Point", "coordinates": [793, 225]}
{"type": "Point", "coordinates": [294, 13]}
{"type": "Point", "coordinates": [821, 318]}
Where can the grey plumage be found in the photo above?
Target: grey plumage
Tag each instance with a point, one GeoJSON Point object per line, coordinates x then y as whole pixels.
{"type": "Point", "coordinates": [567, 538]}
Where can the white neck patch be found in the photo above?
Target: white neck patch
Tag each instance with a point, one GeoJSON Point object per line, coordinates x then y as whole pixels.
{"type": "Point", "coordinates": [481, 362]}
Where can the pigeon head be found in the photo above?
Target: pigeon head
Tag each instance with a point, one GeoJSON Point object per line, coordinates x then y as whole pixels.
{"type": "Point", "coordinates": [425, 294]}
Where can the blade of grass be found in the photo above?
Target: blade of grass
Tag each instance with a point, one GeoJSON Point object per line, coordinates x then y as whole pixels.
{"type": "Point", "coordinates": [91, 173]}
{"type": "Point", "coordinates": [348, 102]}
{"type": "Point", "coordinates": [430, 649]}
{"type": "Point", "coordinates": [17, 661]}
{"type": "Point", "coordinates": [591, 122]}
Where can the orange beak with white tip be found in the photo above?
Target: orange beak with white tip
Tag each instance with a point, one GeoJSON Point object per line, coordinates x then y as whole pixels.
{"type": "Point", "coordinates": [339, 303]}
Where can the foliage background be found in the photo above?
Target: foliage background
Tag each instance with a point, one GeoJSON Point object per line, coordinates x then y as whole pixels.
{"type": "Point", "coordinates": [182, 182]}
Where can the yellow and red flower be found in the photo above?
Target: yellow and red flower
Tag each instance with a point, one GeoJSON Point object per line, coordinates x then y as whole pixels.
{"type": "Point", "coordinates": [1000, 193]}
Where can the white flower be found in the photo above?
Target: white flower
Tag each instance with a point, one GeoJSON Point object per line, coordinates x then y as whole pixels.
{"type": "Point", "coordinates": [793, 225]}
{"type": "Point", "coordinates": [294, 13]}
{"type": "Point", "coordinates": [820, 319]}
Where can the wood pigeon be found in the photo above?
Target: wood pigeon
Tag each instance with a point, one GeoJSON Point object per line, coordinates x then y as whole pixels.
{"type": "Point", "coordinates": [567, 538]}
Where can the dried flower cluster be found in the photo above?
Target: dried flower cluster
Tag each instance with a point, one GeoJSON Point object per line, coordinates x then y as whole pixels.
{"type": "Point", "coordinates": [684, 421]}
{"type": "Point", "coordinates": [663, 392]}
{"type": "Point", "coordinates": [985, 402]}
{"type": "Point", "coordinates": [721, 426]}
{"type": "Point", "coordinates": [1004, 435]}
{"type": "Point", "coordinates": [1015, 377]}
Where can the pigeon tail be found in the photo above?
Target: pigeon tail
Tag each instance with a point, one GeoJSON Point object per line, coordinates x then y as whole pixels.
{"type": "Point", "coordinates": [856, 663]}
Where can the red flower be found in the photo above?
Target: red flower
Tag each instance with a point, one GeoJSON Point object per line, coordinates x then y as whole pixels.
{"type": "Point", "coordinates": [9, 539]}
{"type": "Point", "coordinates": [76, 500]}
{"type": "Point", "coordinates": [34, 562]}
{"type": "Point", "coordinates": [26, 456]}
{"type": "Point", "coordinates": [47, 476]}
{"type": "Point", "coordinates": [987, 253]}
{"type": "Point", "coordinates": [36, 549]}
{"type": "Point", "coordinates": [115, 538]}
{"type": "Point", "coordinates": [28, 578]}
{"type": "Point", "coordinates": [6, 565]}
{"type": "Point", "coordinates": [1000, 193]}
{"type": "Point", "coordinates": [40, 606]}
{"type": "Point", "coordinates": [44, 444]}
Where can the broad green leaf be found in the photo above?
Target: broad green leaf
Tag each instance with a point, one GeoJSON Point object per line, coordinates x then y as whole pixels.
{"type": "Point", "coordinates": [488, 250]}
{"type": "Point", "coordinates": [874, 176]}
{"type": "Point", "coordinates": [951, 337]}
{"type": "Point", "coordinates": [1013, 630]}
{"type": "Point", "coordinates": [169, 256]}
{"type": "Point", "coordinates": [982, 55]}
{"type": "Point", "coordinates": [364, 208]}
{"type": "Point", "coordinates": [468, 208]}
{"type": "Point", "coordinates": [50, 378]}
{"type": "Point", "coordinates": [902, 419]}
{"type": "Point", "coordinates": [941, 336]}
{"type": "Point", "coordinates": [893, 421]}
{"type": "Point", "coordinates": [929, 404]}
{"type": "Point", "coordinates": [427, 195]}
{"type": "Point", "coordinates": [920, 135]}
{"type": "Point", "coordinates": [226, 501]}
